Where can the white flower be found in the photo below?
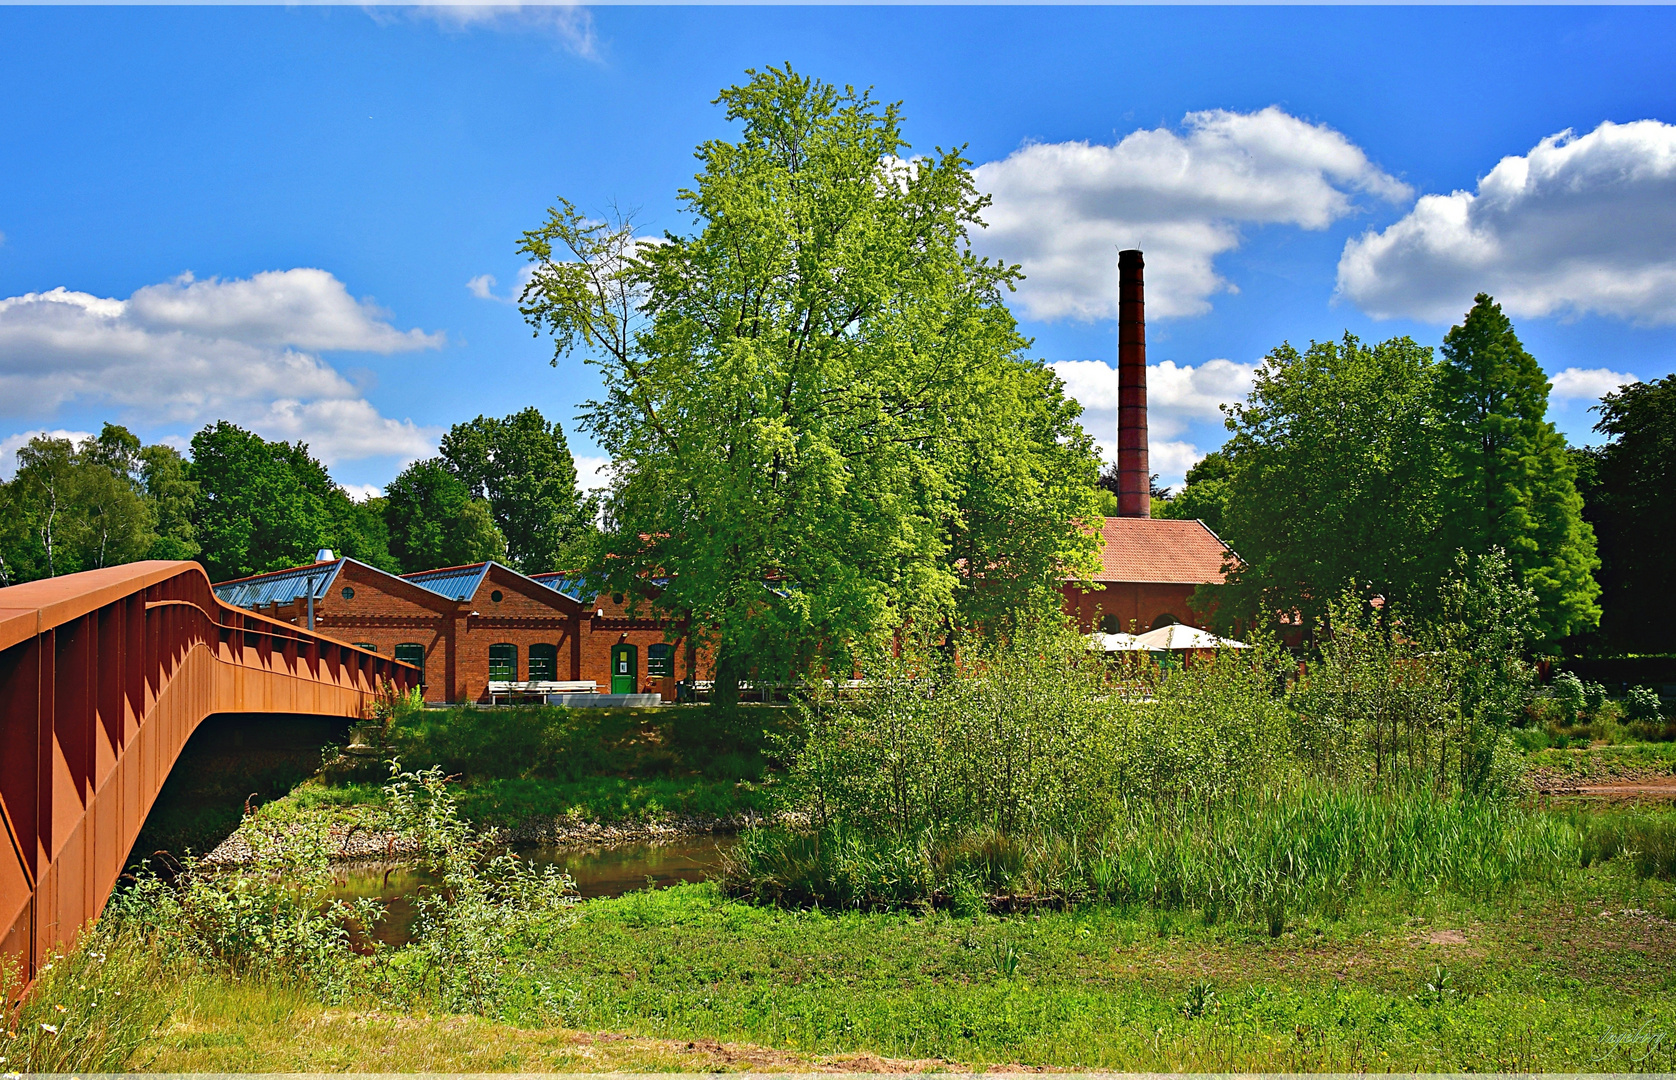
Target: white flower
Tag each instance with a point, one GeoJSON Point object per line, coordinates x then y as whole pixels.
{"type": "Point", "coordinates": [49, 1027]}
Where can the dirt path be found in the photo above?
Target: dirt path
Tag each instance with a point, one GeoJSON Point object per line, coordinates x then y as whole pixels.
{"type": "Point", "coordinates": [1657, 787]}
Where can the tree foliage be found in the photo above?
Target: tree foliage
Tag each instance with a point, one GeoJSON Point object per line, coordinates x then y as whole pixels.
{"type": "Point", "coordinates": [76, 506]}
{"type": "Point", "coordinates": [1374, 466]}
{"type": "Point", "coordinates": [1507, 481]}
{"type": "Point", "coordinates": [824, 424]}
{"type": "Point", "coordinates": [1203, 497]}
{"type": "Point", "coordinates": [269, 505]}
{"type": "Point", "coordinates": [1331, 479]}
{"type": "Point", "coordinates": [522, 466]}
{"type": "Point", "coordinates": [1629, 500]}
{"type": "Point", "coordinates": [435, 521]}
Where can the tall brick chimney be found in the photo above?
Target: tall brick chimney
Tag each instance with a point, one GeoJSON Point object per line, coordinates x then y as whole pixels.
{"type": "Point", "coordinates": [1134, 477]}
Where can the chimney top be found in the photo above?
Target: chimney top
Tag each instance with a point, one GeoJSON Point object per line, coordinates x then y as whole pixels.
{"type": "Point", "coordinates": [1130, 257]}
{"type": "Point", "coordinates": [324, 555]}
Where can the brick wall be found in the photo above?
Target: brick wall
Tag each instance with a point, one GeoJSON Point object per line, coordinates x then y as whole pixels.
{"type": "Point", "coordinates": [1136, 604]}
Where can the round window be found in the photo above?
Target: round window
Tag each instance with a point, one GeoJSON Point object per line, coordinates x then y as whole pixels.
{"type": "Point", "coordinates": [348, 593]}
{"type": "Point", "coordinates": [496, 596]}
{"type": "Point", "coordinates": [616, 598]}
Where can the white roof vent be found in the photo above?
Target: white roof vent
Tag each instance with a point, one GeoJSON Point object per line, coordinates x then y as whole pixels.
{"type": "Point", "coordinates": [324, 555]}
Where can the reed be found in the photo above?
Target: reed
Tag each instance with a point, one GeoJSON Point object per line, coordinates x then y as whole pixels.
{"type": "Point", "coordinates": [1305, 847]}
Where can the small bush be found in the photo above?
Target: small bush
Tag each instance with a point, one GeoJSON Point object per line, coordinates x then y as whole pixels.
{"type": "Point", "coordinates": [1642, 704]}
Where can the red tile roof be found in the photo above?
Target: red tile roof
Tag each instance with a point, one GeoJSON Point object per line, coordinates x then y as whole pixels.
{"type": "Point", "coordinates": [1160, 550]}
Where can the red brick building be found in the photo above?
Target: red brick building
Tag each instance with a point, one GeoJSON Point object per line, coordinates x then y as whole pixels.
{"type": "Point", "coordinates": [1148, 569]}
{"type": "Point", "coordinates": [465, 625]}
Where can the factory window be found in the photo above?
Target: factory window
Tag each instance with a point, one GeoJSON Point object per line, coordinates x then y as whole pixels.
{"type": "Point", "coordinates": [1164, 620]}
{"type": "Point", "coordinates": [367, 645]}
{"type": "Point", "coordinates": [412, 653]}
{"type": "Point", "coordinates": [503, 662]}
{"type": "Point", "coordinates": [660, 661]}
{"type": "Point", "coordinates": [348, 593]}
{"type": "Point", "coordinates": [544, 663]}
{"type": "Point", "coordinates": [496, 596]}
{"type": "Point", "coordinates": [1111, 624]}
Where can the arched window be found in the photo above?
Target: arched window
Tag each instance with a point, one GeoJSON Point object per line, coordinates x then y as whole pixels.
{"type": "Point", "coordinates": [544, 663]}
{"type": "Point", "coordinates": [660, 660]}
{"type": "Point", "coordinates": [1163, 620]}
{"type": "Point", "coordinates": [1111, 624]}
{"type": "Point", "coordinates": [503, 662]}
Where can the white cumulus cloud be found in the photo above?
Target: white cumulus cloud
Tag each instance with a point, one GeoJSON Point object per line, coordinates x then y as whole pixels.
{"type": "Point", "coordinates": [1177, 395]}
{"type": "Point", "coordinates": [11, 444]}
{"type": "Point", "coordinates": [191, 351]}
{"type": "Point", "coordinates": [1579, 225]}
{"type": "Point", "coordinates": [1064, 210]}
{"type": "Point", "coordinates": [362, 492]}
{"type": "Point", "coordinates": [1588, 384]}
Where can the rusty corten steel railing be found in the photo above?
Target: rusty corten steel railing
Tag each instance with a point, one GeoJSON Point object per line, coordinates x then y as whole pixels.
{"type": "Point", "coordinates": [104, 675]}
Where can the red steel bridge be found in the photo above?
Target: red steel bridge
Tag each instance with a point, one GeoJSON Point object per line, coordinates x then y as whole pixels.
{"type": "Point", "coordinates": [104, 676]}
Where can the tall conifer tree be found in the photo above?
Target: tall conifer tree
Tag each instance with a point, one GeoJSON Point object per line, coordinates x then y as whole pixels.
{"type": "Point", "coordinates": [1508, 481]}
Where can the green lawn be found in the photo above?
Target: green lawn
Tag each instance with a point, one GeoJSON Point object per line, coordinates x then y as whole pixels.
{"type": "Point", "coordinates": [1578, 978]}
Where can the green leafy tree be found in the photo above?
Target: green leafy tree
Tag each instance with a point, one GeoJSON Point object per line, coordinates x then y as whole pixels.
{"type": "Point", "coordinates": [824, 424]}
{"type": "Point", "coordinates": [359, 529]}
{"type": "Point", "coordinates": [435, 521]}
{"type": "Point", "coordinates": [113, 517]}
{"type": "Point", "coordinates": [269, 505]}
{"type": "Point", "coordinates": [1204, 495]}
{"type": "Point", "coordinates": [78, 506]}
{"type": "Point", "coordinates": [1628, 486]}
{"type": "Point", "coordinates": [1507, 481]}
{"type": "Point", "coordinates": [523, 467]}
{"type": "Point", "coordinates": [173, 494]}
{"type": "Point", "coordinates": [1330, 482]}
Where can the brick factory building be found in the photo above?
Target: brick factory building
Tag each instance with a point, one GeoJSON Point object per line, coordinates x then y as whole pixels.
{"type": "Point", "coordinates": [1148, 566]}
{"type": "Point", "coordinates": [463, 626]}
{"type": "Point", "coordinates": [1148, 569]}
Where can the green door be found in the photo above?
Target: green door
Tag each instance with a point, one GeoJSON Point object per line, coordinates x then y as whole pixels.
{"type": "Point", "coordinates": [625, 666]}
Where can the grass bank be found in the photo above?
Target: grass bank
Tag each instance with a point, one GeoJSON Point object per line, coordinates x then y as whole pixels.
{"type": "Point", "coordinates": [522, 764]}
{"type": "Point", "coordinates": [1562, 977]}
{"type": "Point", "coordinates": [1624, 761]}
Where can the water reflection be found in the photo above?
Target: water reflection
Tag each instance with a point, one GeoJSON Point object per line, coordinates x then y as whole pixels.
{"type": "Point", "coordinates": [598, 872]}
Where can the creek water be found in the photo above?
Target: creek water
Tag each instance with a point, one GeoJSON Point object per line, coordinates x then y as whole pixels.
{"type": "Point", "coordinates": [598, 872]}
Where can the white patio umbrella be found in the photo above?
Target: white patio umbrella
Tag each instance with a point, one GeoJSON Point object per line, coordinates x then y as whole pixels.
{"type": "Point", "coordinates": [1098, 642]}
{"type": "Point", "coordinates": [1181, 636]}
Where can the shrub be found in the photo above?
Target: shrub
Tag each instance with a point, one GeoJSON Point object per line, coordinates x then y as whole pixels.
{"type": "Point", "coordinates": [1642, 704]}
{"type": "Point", "coordinates": [1568, 692]}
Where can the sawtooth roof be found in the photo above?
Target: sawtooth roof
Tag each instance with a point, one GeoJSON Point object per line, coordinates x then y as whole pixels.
{"type": "Point", "coordinates": [280, 586]}
{"type": "Point", "coordinates": [1161, 551]}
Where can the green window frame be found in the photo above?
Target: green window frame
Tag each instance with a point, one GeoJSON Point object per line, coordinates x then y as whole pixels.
{"type": "Point", "coordinates": [367, 645]}
{"type": "Point", "coordinates": [411, 652]}
{"type": "Point", "coordinates": [544, 663]}
{"type": "Point", "coordinates": [503, 662]}
{"type": "Point", "coordinates": [660, 660]}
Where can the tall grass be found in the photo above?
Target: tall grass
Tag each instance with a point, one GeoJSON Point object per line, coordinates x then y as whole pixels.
{"type": "Point", "coordinates": [87, 1011]}
{"type": "Point", "coordinates": [1307, 847]}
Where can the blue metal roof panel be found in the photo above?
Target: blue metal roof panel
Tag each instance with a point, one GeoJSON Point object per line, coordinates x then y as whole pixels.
{"type": "Point", "coordinates": [454, 582]}
{"type": "Point", "coordinates": [567, 584]}
{"type": "Point", "coordinates": [281, 586]}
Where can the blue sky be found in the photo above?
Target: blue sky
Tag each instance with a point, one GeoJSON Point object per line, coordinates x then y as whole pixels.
{"type": "Point", "coordinates": [335, 178]}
